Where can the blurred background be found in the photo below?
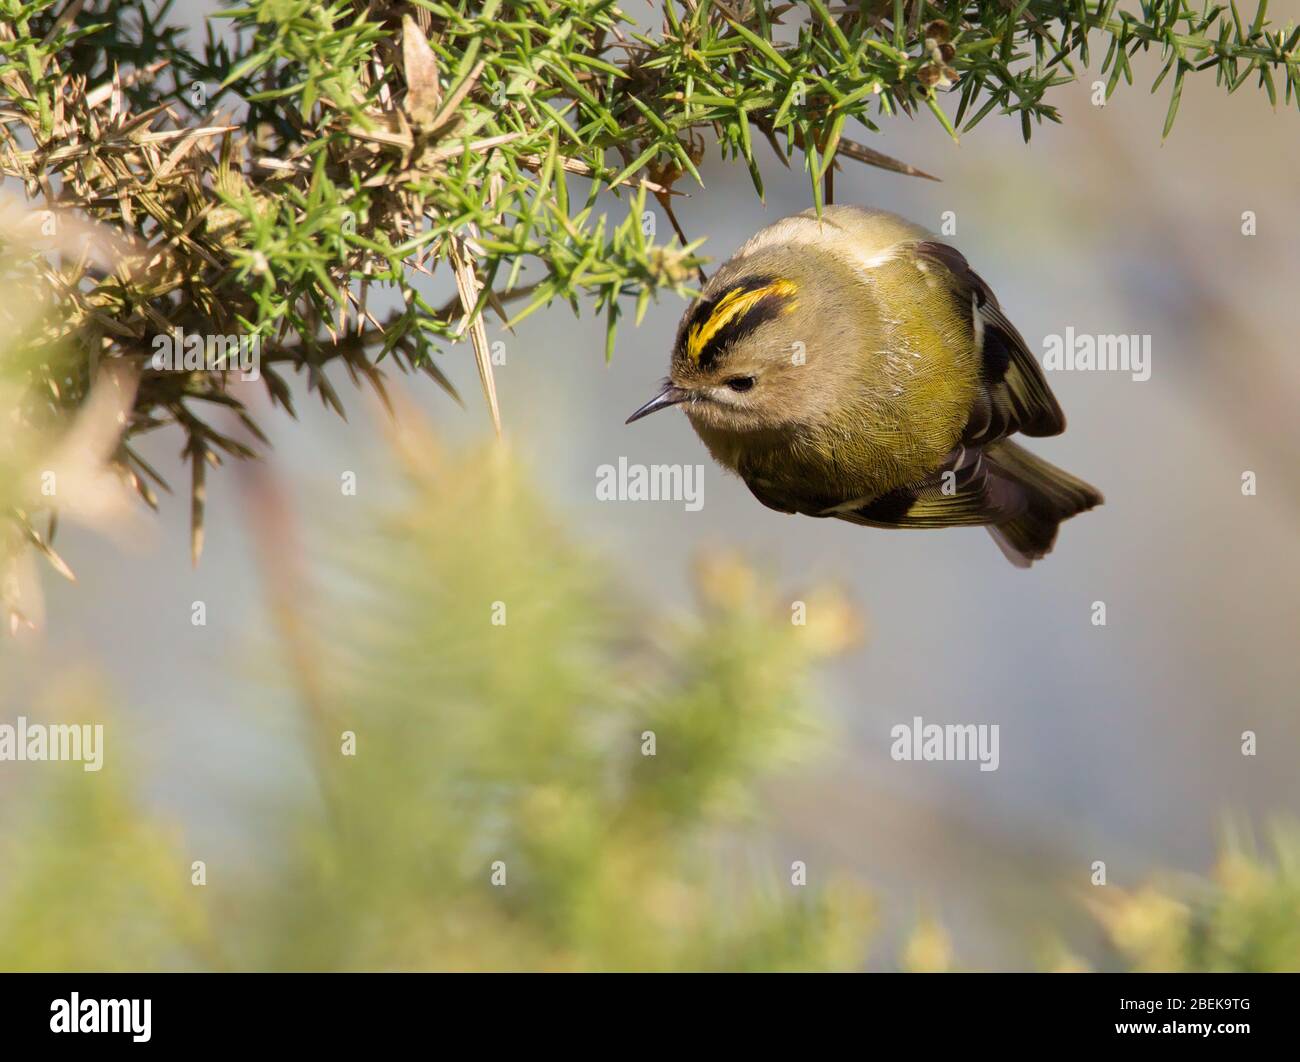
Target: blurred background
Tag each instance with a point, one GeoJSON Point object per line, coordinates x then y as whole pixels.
{"type": "Point", "coordinates": [328, 612]}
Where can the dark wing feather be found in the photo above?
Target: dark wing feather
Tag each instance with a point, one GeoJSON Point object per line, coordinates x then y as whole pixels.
{"type": "Point", "coordinates": [1015, 396]}
{"type": "Point", "coordinates": [764, 493]}
{"type": "Point", "coordinates": [966, 490]}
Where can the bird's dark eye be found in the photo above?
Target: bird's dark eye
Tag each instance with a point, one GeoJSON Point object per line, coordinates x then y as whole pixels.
{"type": "Point", "coordinates": [740, 383]}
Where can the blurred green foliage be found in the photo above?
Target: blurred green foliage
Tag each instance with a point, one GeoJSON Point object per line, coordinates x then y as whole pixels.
{"type": "Point", "coordinates": [89, 879]}
{"type": "Point", "coordinates": [518, 743]}
{"type": "Point", "coordinates": [1246, 917]}
{"type": "Point", "coordinates": [485, 748]}
{"type": "Point", "coordinates": [502, 693]}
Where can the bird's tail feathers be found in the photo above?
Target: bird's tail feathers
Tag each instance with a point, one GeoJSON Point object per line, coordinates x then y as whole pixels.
{"type": "Point", "coordinates": [1051, 495]}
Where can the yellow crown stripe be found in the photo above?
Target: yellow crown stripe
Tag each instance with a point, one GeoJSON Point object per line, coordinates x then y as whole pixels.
{"type": "Point", "coordinates": [732, 305]}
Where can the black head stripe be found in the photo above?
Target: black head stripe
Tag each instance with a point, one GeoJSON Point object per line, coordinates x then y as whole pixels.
{"type": "Point", "coordinates": [732, 322]}
{"type": "Point", "coordinates": [767, 308]}
{"type": "Point", "coordinates": [703, 308]}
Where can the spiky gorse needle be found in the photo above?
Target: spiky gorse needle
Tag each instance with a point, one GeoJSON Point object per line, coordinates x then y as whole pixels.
{"type": "Point", "coordinates": [313, 184]}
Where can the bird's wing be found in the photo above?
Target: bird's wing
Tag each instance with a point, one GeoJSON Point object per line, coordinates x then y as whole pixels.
{"type": "Point", "coordinates": [1014, 396]}
{"type": "Point", "coordinates": [770, 496]}
{"type": "Point", "coordinates": [966, 490]}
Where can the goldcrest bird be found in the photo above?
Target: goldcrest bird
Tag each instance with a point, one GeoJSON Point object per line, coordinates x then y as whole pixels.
{"type": "Point", "coordinates": [853, 366]}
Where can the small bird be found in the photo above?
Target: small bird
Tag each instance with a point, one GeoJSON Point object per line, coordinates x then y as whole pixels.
{"type": "Point", "coordinates": [854, 366]}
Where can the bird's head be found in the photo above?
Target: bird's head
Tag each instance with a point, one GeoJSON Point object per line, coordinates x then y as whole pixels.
{"type": "Point", "coordinates": [740, 362]}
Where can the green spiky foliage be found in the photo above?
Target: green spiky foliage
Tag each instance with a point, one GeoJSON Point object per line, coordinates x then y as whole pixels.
{"type": "Point", "coordinates": [355, 185]}
{"type": "Point", "coordinates": [501, 763]}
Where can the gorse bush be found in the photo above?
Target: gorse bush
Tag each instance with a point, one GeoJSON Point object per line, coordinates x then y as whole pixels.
{"type": "Point", "coordinates": [1246, 917]}
{"type": "Point", "coordinates": [313, 174]}
{"type": "Point", "coordinates": [512, 766]}
{"type": "Point", "coordinates": [543, 768]}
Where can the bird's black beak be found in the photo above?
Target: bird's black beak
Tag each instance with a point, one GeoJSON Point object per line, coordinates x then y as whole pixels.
{"type": "Point", "coordinates": [669, 396]}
